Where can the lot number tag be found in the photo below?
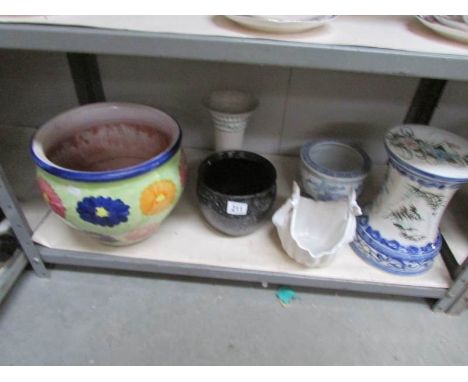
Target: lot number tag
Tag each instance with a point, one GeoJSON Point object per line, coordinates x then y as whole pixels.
{"type": "Point", "coordinates": [236, 208]}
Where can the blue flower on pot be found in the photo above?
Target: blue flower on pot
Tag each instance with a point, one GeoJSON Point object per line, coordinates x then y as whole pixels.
{"type": "Point", "coordinates": [103, 211]}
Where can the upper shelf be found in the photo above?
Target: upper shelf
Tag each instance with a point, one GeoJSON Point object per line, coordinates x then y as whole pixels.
{"type": "Point", "coordinates": [206, 38]}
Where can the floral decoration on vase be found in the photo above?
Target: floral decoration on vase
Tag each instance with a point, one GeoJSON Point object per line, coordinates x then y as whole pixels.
{"type": "Point", "coordinates": [142, 232]}
{"type": "Point", "coordinates": [157, 197]}
{"type": "Point", "coordinates": [410, 146]}
{"type": "Point", "coordinates": [103, 211]}
{"type": "Point", "coordinates": [183, 168]}
{"type": "Point", "coordinates": [51, 197]}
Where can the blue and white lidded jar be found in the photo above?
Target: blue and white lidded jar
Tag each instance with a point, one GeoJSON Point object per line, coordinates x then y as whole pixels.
{"type": "Point", "coordinates": [331, 170]}
{"type": "Point", "coordinates": [399, 231]}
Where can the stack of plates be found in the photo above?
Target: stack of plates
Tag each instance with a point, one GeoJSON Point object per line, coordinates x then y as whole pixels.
{"type": "Point", "coordinates": [454, 27]}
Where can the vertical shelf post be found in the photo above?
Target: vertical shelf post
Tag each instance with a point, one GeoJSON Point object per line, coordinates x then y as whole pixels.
{"type": "Point", "coordinates": [425, 101]}
{"type": "Point", "coordinates": [19, 225]}
{"type": "Point", "coordinates": [456, 298]}
{"type": "Point", "coordinates": [11, 271]}
{"type": "Point", "coordinates": [84, 70]}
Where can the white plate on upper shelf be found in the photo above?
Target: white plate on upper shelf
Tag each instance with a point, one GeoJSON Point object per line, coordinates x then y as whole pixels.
{"type": "Point", "coordinates": [454, 22]}
{"type": "Point", "coordinates": [444, 29]}
{"type": "Point", "coordinates": [281, 24]}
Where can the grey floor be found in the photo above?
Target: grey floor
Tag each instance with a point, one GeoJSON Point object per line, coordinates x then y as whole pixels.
{"type": "Point", "coordinates": [95, 318]}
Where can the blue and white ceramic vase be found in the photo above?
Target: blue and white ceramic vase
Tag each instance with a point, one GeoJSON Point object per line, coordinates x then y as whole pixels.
{"type": "Point", "coordinates": [399, 231]}
{"type": "Point", "coordinates": [331, 170]}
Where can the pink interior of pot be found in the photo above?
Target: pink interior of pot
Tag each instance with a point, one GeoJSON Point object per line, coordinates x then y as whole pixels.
{"type": "Point", "coordinates": [108, 147]}
{"type": "Point", "coordinates": [104, 137]}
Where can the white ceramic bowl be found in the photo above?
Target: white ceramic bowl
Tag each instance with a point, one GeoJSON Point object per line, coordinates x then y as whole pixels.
{"type": "Point", "coordinates": [331, 170]}
{"type": "Point", "coordinates": [312, 232]}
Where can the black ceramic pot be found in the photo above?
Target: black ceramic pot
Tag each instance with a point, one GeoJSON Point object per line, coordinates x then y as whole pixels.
{"type": "Point", "coordinates": [236, 191]}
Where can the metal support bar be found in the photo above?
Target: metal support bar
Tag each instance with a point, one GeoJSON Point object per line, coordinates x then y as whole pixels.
{"type": "Point", "coordinates": [452, 302]}
{"type": "Point", "coordinates": [460, 304]}
{"type": "Point", "coordinates": [98, 260]}
{"type": "Point", "coordinates": [425, 101]}
{"type": "Point", "coordinates": [86, 77]}
{"type": "Point", "coordinates": [10, 271]}
{"type": "Point", "coordinates": [19, 225]}
{"type": "Point", "coordinates": [449, 259]}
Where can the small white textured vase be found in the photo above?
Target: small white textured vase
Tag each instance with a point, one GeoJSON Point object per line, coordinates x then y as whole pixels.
{"type": "Point", "coordinates": [230, 111]}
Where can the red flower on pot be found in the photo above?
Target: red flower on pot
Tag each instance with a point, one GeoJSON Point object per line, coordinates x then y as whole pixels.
{"type": "Point", "coordinates": [51, 197]}
{"type": "Point", "coordinates": [183, 168]}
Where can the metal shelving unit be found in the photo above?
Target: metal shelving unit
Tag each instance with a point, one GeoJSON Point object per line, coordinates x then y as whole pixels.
{"type": "Point", "coordinates": [10, 271]}
{"type": "Point", "coordinates": [82, 43]}
{"type": "Point", "coordinates": [236, 50]}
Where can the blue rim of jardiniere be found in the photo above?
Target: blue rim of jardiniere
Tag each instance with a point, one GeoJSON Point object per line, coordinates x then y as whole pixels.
{"type": "Point", "coordinates": [358, 173]}
{"type": "Point", "coordinates": [112, 175]}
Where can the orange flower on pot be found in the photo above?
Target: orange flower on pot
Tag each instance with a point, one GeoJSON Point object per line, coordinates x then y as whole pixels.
{"type": "Point", "coordinates": [157, 197]}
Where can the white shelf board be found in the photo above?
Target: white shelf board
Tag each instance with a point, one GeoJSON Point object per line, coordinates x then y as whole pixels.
{"type": "Point", "coordinates": [186, 238]}
{"type": "Point", "coordinates": [403, 33]}
{"type": "Point", "coordinates": [35, 211]}
{"type": "Point", "coordinates": [395, 45]}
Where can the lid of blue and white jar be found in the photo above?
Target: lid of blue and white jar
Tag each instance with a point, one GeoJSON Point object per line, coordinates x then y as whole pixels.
{"type": "Point", "coordinates": [429, 152]}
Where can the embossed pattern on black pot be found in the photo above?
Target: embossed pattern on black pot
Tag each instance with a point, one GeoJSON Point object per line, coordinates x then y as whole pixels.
{"type": "Point", "coordinates": [236, 191]}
